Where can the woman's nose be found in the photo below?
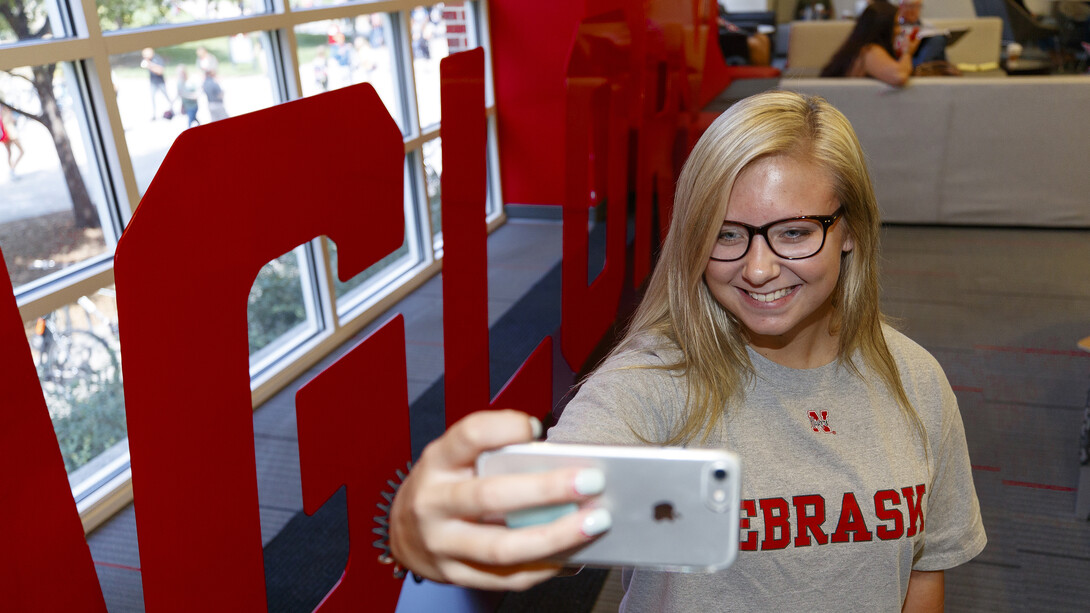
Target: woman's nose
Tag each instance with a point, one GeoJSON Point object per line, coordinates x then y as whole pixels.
{"type": "Point", "coordinates": [761, 264]}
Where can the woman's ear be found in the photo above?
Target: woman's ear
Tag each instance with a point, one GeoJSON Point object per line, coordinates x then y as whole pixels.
{"type": "Point", "coordinates": [849, 244]}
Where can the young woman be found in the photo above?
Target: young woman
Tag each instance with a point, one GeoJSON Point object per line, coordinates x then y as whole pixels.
{"type": "Point", "coordinates": [869, 51]}
{"type": "Point", "coordinates": [760, 332]}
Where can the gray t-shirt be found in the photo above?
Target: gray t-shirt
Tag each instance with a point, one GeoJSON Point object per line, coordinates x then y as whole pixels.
{"type": "Point", "coordinates": [836, 485]}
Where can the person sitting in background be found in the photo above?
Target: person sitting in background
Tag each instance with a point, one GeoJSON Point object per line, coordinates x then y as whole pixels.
{"type": "Point", "coordinates": [1073, 18]}
{"type": "Point", "coordinates": [931, 48]}
{"type": "Point", "coordinates": [742, 45]}
{"type": "Point", "coordinates": [869, 50]}
{"type": "Point", "coordinates": [809, 10]}
{"type": "Point", "coordinates": [739, 46]}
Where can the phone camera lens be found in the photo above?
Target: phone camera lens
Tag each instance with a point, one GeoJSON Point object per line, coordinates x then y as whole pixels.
{"type": "Point", "coordinates": [720, 474]}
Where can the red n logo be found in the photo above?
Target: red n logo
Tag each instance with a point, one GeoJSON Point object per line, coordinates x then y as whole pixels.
{"type": "Point", "coordinates": [820, 422]}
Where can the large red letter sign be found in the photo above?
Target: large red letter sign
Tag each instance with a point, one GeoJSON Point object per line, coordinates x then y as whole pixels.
{"type": "Point", "coordinates": [596, 160]}
{"type": "Point", "coordinates": [221, 207]}
{"type": "Point", "coordinates": [45, 565]}
{"type": "Point", "coordinates": [353, 426]}
{"type": "Point", "coordinates": [465, 256]}
{"type": "Point", "coordinates": [465, 252]}
{"type": "Point", "coordinates": [656, 168]}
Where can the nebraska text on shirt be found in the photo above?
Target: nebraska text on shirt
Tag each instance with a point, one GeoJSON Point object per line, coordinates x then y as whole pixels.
{"type": "Point", "coordinates": [802, 522]}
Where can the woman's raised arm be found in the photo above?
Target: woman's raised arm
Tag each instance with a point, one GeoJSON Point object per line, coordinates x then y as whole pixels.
{"type": "Point", "coordinates": [879, 64]}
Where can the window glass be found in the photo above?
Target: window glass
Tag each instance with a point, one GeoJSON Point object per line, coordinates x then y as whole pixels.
{"type": "Point", "coordinates": [78, 357]}
{"type": "Point", "coordinates": [30, 20]}
{"type": "Point", "coordinates": [344, 288]}
{"type": "Point", "coordinates": [433, 171]}
{"type": "Point", "coordinates": [340, 52]}
{"type": "Point", "coordinates": [53, 209]}
{"type": "Point", "coordinates": [163, 91]}
{"type": "Point", "coordinates": [280, 310]}
{"type": "Point", "coordinates": [121, 14]}
{"type": "Point", "coordinates": [491, 207]}
{"type": "Point", "coordinates": [437, 31]}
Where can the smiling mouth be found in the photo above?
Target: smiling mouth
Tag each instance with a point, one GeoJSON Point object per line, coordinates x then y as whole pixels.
{"type": "Point", "coordinates": [771, 296]}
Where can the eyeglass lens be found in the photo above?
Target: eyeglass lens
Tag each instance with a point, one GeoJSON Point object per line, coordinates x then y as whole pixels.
{"type": "Point", "coordinates": [792, 238]}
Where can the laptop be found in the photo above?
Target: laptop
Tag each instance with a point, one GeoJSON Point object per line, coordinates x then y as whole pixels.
{"type": "Point", "coordinates": [952, 35]}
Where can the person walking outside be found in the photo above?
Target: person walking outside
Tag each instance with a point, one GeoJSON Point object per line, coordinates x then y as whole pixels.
{"type": "Point", "coordinates": [189, 95]}
{"type": "Point", "coordinates": [10, 137]}
{"type": "Point", "coordinates": [214, 94]}
{"type": "Point", "coordinates": [156, 67]}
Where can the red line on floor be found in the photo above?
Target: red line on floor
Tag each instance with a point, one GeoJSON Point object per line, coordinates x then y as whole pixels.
{"type": "Point", "coordinates": [1040, 486]}
{"type": "Point", "coordinates": [967, 388]}
{"type": "Point", "coordinates": [1034, 350]}
{"type": "Point", "coordinates": [121, 566]}
{"type": "Point", "coordinates": [991, 469]}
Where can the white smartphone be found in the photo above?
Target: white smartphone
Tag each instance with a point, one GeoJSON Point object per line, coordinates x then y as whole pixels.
{"type": "Point", "coordinates": [672, 508]}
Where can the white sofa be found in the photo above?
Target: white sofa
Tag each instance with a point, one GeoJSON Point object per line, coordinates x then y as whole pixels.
{"type": "Point", "coordinates": [811, 44]}
{"type": "Point", "coordinates": [1010, 151]}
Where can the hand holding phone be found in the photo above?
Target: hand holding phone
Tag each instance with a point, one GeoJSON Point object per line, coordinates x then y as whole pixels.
{"type": "Point", "coordinates": [671, 508]}
{"type": "Point", "coordinates": [446, 521]}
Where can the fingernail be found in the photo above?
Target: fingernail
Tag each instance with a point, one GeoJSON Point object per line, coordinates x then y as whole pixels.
{"type": "Point", "coordinates": [535, 427]}
{"type": "Point", "coordinates": [597, 522]}
{"type": "Point", "coordinates": [590, 481]}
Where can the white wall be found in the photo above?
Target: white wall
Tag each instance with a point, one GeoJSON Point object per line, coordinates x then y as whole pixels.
{"type": "Point", "coordinates": [745, 6]}
{"type": "Point", "coordinates": [960, 9]}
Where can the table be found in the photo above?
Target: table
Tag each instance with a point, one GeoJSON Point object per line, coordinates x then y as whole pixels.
{"type": "Point", "coordinates": [1022, 66]}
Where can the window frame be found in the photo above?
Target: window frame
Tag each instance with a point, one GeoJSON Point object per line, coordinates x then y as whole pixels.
{"type": "Point", "coordinates": [89, 49]}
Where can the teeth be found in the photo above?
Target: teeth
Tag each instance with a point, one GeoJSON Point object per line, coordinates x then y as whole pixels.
{"type": "Point", "coordinates": [776, 295]}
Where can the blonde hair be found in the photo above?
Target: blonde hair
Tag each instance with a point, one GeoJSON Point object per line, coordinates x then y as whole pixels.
{"type": "Point", "coordinates": [678, 304]}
